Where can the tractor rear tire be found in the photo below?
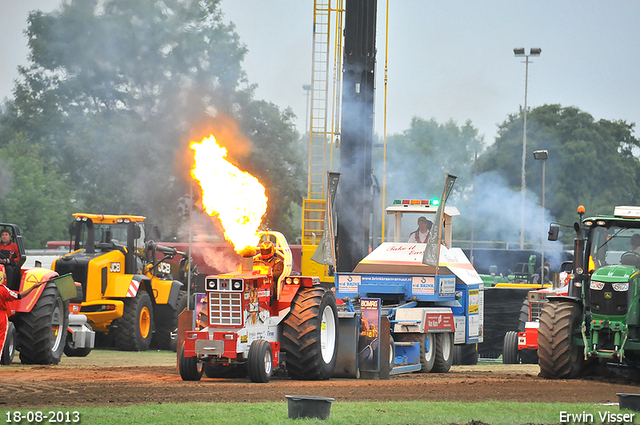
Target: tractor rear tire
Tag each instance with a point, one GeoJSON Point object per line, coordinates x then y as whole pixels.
{"type": "Point", "coordinates": [510, 353]}
{"type": "Point", "coordinates": [427, 357]}
{"type": "Point", "coordinates": [444, 353]}
{"type": "Point", "coordinates": [42, 333]}
{"type": "Point", "coordinates": [310, 334]}
{"type": "Point", "coordinates": [9, 349]}
{"type": "Point", "coordinates": [558, 356]}
{"type": "Point", "coordinates": [260, 361]}
{"type": "Point", "coordinates": [166, 321]}
{"type": "Point", "coordinates": [527, 356]}
{"type": "Point", "coordinates": [190, 367]}
{"type": "Point", "coordinates": [524, 315]}
{"type": "Point", "coordinates": [133, 331]}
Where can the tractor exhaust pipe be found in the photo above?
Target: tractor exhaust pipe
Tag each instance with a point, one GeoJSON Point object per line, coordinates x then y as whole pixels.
{"type": "Point", "coordinates": [247, 254]}
{"type": "Point", "coordinates": [247, 264]}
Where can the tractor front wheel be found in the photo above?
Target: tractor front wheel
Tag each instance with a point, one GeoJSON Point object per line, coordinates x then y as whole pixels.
{"type": "Point", "coordinates": [190, 367]}
{"type": "Point", "coordinates": [510, 353]}
{"type": "Point", "coordinates": [558, 355]}
{"type": "Point", "coordinates": [260, 361]}
{"type": "Point", "coordinates": [309, 334]}
{"type": "Point", "coordinates": [9, 349]}
{"type": "Point", "coordinates": [133, 331]}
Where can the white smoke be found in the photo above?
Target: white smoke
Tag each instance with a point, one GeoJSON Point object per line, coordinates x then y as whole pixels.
{"type": "Point", "coordinates": [496, 212]}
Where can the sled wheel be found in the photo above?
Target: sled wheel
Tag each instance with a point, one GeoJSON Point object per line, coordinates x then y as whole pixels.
{"type": "Point", "coordinates": [427, 354]}
{"type": "Point", "coordinates": [443, 353]}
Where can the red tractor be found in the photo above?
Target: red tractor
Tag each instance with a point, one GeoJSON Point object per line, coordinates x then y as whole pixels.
{"type": "Point", "coordinates": [252, 325]}
{"type": "Point", "coordinates": [39, 324]}
{"type": "Point", "coordinates": [522, 346]}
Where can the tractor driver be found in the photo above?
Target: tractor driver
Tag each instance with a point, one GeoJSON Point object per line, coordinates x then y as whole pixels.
{"type": "Point", "coordinates": [9, 255]}
{"type": "Point", "coordinates": [271, 258]}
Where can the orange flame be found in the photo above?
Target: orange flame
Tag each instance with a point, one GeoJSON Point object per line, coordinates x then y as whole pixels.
{"type": "Point", "coordinates": [236, 197]}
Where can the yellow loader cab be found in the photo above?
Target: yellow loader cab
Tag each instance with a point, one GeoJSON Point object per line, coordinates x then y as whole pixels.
{"type": "Point", "coordinates": [128, 286]}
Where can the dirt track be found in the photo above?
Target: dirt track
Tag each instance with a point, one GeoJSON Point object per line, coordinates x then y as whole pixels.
{"type": "Point", "coordinates": [113, 378]}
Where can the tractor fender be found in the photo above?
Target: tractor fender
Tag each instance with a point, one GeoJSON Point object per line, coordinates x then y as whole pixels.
{"type": "Point", "coordinates": [554, 297]}
{"type": "Point", "coordinates": [29, 278]}
{"type": "Point", "coordinates": [176, 288]}
{"type": "Point", "coordinates": [164, 292]}
{"type": "Point", "coordinates": [127, 286]}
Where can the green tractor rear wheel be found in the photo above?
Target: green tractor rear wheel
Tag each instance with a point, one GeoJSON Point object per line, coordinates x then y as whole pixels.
{"type": "Point", "coordinates": [558, 355]}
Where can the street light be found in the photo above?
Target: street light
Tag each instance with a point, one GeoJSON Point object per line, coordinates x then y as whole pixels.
{"type": "Point", "coordinates": [542, 155]}
{"type": "Point", "coordinates": [519, 52]}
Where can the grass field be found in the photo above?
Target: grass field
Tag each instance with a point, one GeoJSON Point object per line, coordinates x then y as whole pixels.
{"type": "Point", "coordinates": [401, 413]}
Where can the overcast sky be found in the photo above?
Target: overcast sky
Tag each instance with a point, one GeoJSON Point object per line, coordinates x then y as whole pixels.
{"type": "Point", "coordinates": [447, 59]}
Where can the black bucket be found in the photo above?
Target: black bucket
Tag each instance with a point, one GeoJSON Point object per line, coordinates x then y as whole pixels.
{"type": "Point", "coordinates": [629, 401]}
{"type": "Point", "coordinates": [304, 406]}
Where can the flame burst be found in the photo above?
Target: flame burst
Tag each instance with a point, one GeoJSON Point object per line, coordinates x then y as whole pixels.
{"type": "Point", "coordinates": [236, 197]}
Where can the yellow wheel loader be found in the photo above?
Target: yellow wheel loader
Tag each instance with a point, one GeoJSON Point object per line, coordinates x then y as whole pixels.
{"type": "Point", "coordinates": [132, 288]}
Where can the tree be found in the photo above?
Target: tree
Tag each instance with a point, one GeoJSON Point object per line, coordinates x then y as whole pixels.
{"type": "Point", "coordinates": [115, 90]}
{"type": "Point", "coordinates": [32, 195]}
{"type": "Point", "coordinates": [276, 162]}
{"type": "Point", "coordinates": [590, 163]}
{"type": "Point", "coordinates": [419, 158]}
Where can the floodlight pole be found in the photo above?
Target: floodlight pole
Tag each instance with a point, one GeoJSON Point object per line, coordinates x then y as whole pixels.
{"type": "Point", "coordinates": [519, 52]}
{"type": "Point", "coordinates": [542, 155]}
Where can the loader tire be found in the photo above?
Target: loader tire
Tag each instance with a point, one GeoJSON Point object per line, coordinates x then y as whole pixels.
{"type": "Point", "coordinates": [9, 349]}
{"type": "Point", "coordinates": [260, 361]}
{"type": "Point", "coordinates": [133, 331]}
{"type": "Point", "coordinates": [427, 357]}
{"type": "Point", "coordinates": [558, 356]}
{"type": "Point", "coordinates": [166, 321]}
{"type": "Point", "coordinates": [465, 354]}
{"type": "Point", "coordinates": [444, 353]}
{"type": "Point", "coordinates": [510, 353]}
{"type": "Point", "coordinates": [309, 334]}
{"type": "Point", "coordinates": [42, 333]}
{"type": "Point", "coordinates": [190, 367]}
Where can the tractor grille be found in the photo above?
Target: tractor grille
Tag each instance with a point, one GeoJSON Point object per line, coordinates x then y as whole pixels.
{"type": "Point", "coordinates": [609, 302]}
{"type": "Point", "coordinates": [225, 308]}
{"type": "Point", "coordinates": [536, 308]}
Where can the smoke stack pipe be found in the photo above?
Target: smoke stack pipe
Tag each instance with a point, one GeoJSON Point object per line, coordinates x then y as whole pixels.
{"type": "Point", "coordinates": [247, 263]}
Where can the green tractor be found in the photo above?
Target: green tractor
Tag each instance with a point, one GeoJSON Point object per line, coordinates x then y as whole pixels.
{"type": "Point", "coordinates": [599, 319]}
